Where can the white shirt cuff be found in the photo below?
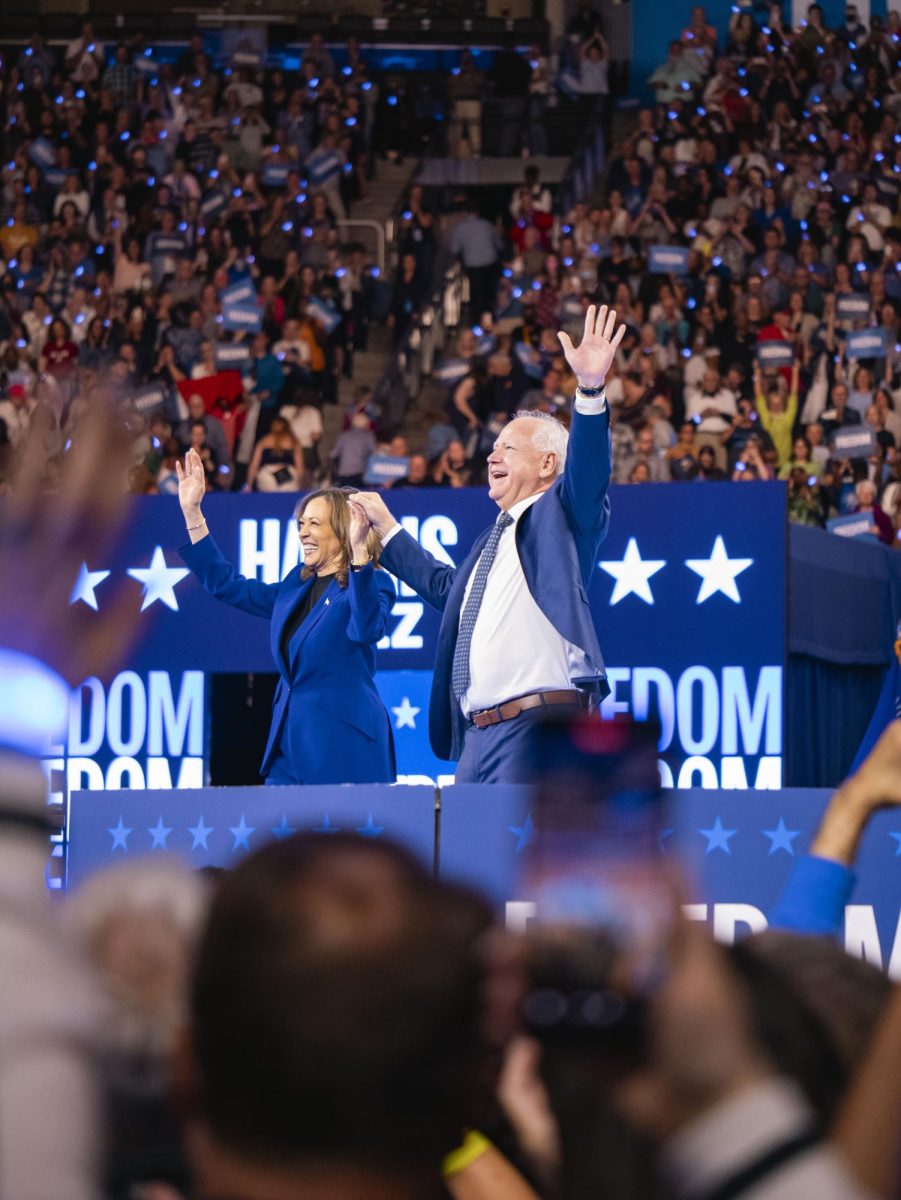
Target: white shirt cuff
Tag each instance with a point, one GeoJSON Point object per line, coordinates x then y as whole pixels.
{"type": "Point", "coordinates": [590, 406]}
{"type": "Point", "coordinates": [395, 529]}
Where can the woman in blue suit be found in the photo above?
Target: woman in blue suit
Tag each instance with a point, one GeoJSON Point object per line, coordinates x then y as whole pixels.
{"type": "Point", "coordinates": [328, 723]}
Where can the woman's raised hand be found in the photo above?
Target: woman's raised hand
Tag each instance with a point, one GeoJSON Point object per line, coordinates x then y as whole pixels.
{"type": "Point", "coordinates": [191, 483]}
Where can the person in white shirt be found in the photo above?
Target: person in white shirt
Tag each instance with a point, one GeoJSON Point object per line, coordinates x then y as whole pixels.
{"type": "Point", "coordinates": [517, 635]}
{"type": "Point", "coordinates": [711, 407]}
{"type": "Point", "coordinates": [870, 219]}
{"type": "Point", "coordinates": [292, 348]}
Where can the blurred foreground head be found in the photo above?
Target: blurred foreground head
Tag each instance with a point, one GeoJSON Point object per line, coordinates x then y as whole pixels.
{"type": "Point", "coordinates": [337, 1019]}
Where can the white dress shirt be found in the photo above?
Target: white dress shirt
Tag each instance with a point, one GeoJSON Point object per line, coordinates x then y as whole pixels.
{"type": "Point", "coordinates": [515, 649]}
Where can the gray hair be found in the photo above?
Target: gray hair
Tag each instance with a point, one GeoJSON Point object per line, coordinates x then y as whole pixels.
{"type": "Point", "coordinates": [550, 436]}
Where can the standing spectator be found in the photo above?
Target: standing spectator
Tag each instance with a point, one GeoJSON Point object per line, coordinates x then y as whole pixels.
{"type": "Point", "coordinates": [476, 243]}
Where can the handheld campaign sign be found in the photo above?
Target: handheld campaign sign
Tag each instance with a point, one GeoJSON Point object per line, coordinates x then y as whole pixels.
{"type": "Point", "coordinates": [146, 65]}
{"type": "Point", "coordinates": [668, 260]}
{"type": "Point", "coordinates": [242, 316]}
{"type": "Point", "coordinates": [527, 360]}
{"type": "Point", "coordinates": [775, 354]}
{"type": "Point", "coordinates": [327, 316]}
{"type": "Point", "coordinates": [149, 398]}
{"type": "Point", "coordinates": [385, 468]}
{"type": "Point", "coordinates": [42, 153]}
{"type": "Point", "coordinates": [853, 306]}
{"type": "Point", "coordinates": [451, 371]}
{"type": "Point", "coordinates": [242, 291]}
{"type": "Point", "coordinates": [854, 441]}
{"type": "Point", "coordinates": [854, 525]}
{"type": "Point", "coordinates": [232, 355]}
{"type": "Point", "coordinates": [865, 343]}
{"type": "Point", "coordinates": [167, 243]}
{"type": "Point", "coordinates": [213, 203]}
{"type": "Point", "coordinates": [275, 175]}
{"type": "Point", "coordinates": [55, 177]}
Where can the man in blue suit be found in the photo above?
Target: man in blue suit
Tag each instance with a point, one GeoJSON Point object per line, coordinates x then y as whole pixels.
{"type": "Point", "coordinates": [517, 636]}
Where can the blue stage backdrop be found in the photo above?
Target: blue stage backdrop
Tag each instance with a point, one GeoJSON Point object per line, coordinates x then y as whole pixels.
{"type": "Point", "coordinates": [738, 849]}
{"type": "Point", "coordinates": [689, 599]}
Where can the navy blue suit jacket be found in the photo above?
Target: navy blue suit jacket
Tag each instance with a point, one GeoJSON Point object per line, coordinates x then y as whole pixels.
{"type": "Point", "coordinates": [335, 727]}
{"type": "Point", "coordinates": [557, 539]}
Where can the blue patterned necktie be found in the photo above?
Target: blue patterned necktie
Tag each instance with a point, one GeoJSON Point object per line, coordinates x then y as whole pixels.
{"type": "Point", "coordinates": [460, 676]}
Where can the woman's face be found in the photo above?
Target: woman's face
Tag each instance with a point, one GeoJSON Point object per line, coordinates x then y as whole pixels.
{"type": "Point", "coordinates": [322, 550]}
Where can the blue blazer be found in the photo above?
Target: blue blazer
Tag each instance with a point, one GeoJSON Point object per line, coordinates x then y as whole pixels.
{"type": "Point", "coordinates": [557, 539]}
{"type": "Point", "coordinates": [327, 716]}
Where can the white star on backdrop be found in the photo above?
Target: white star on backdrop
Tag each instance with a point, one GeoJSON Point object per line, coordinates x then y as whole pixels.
{"type": "Point", "coordinates": [85, 584]}
{"type": "Point", "coordinates": [632, 574]}
{"type": "Point", "coordinates": [718, 572]}
{"type": "Point", "coordinates": [406, 714]}
{"type": "Point", "coordinates": [159, 580]}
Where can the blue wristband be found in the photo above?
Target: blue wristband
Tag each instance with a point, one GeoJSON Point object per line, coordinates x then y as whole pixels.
{"type": "Point", "coordinates": [34, 704]}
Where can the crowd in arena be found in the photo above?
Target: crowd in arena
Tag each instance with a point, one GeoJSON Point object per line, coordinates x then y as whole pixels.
{"type": "Point", "coordinates": [172, 229]}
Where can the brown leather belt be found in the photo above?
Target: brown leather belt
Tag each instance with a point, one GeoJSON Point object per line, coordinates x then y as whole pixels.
{"type": "Point", "coordinates": [512, 708]}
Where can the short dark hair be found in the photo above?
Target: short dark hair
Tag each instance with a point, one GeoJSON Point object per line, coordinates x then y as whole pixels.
{"type": "Point", "coordinates": [337, 1007]}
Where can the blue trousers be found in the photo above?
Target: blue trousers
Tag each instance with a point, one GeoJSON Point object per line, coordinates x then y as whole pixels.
{"type": "Point", "coordinates": [496, 754]}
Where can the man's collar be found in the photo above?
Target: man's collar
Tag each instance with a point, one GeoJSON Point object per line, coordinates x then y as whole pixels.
{"type": "Point", "coordinates": [521, 505]}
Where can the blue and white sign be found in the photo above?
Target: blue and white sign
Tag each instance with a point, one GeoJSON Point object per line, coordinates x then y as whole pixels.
{"type": "Point", "coordinates": [248, 317]}
{"type": "Point", "coordinates": [775, 353]}
{"type": "Point", "coordinates": [231, 356]}
{"type": "Point", "coordinates": [854, 525]}
{"type": "Point", "coordinates": [385, 468]}
{"type": "Point", "coordinates": [242, 291]}
{"type": "Point", "coordinates": [854, 441]}
{"type": "Point", "coordinates": [275, 175]}
{"type": "Point", "coordinates": [327, 316]}
{"type": "Point", "coordinates": [167, 243]}
{"type": "Point", "coordinates": [42, 153]}
{"type": "Point", "coordinates": [668, 260]}
{"type": "Point", "coordinates": [865, 343]}
{"type": "Point", "coordinates": [213, 203]}
{"type": "Point", "coordinates": [853, 306]}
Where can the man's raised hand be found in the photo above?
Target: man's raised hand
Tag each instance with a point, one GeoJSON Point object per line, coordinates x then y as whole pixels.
{"type": "Point", "coordinates": [376, 511]}
{"type": "Point", "coordinates": [591, 360]}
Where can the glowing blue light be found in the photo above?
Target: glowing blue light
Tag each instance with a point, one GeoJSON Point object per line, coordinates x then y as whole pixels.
{"type": "Point", "coordinates": [350, 122]}
{"type": "Point", "coordinates": [804, 226]}
{"type": "Point", "coordinates": [567, 262]}
{"type": "Point", "coordinates": [213, 174]}
{"type": "Point", "coordinates": [124, 135]}
{"type": "Point", "coordinates": [12, 264]}
{"type": "Point", "coordinates": [307, 232]}
{"type": "Point", "coordinates": [717, 262]}
{"type": "Point", "coordinates": [517, 292]}
{"type": "Point", "coordinates": [824, 176]}
{"type": "Point", "coordinates": [691, 303]}
{"type": "Point", "coordinates": [702, 112]}
{"type": "Point", "coordinates": [340, 273]}
{"type": "Point", "coordinates": [374, 272]}
{"type": "Point", "coordinates": [182, 226]}
{"type": "Point", "coordinates": [392, 101]}
{"type": "Point", "coordinates": [347, 71]}
{"type": "Point", "coordinates": [406, 215]}
{"type": "Point", "coordinates": [367, 86]}
{"type": "Point", "coordinates": [287, 226]}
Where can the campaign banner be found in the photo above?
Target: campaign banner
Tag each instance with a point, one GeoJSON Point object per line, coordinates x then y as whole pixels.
{"type": "Point", "coordinates": [327, 316]}
{"type": "Point", "coordinates": [213, 203]}
{"type": "Point", "coordinates": [42, 153]}
{"type": "Point", "coordinates": [854, 525]}
{"type": "Point", "coordinates": [853, 306]}
{"type": "Point", "coordinates": [146, 65]}
{"type": "Point", "coordinates": [668, 260]}
{"type": "Point", "coordinates": [275, 174]}
{"type": "Point", "coordinates": [247, 58]}
{"type": "Point", "coordinates": [775, 353]}
{"type": "Point", "coordinates": [149, 398]}
{"type": "Point", "coordinates": [230, 355]}
{"type": "Point", "coordinates": [167, 243]}
{"type": "Point", "coordinates": [385, 468]}
{"type": "Point", "coordinates": [242, 316]}
{"type": "Point", "coordinates": [451, 371]}
{"type": "Point", "coordinates": [242, 291]}
{"type": "Point", "coordinates": [853, 441]}
{"type": "Point", "coordinates": [528, 361]}
{"type": "Point", "coordinates": [865, 343]}
{"type": "Point", "coordinates": [888, 186]}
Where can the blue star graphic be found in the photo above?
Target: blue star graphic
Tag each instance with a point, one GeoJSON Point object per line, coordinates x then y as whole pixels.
{"type": "Point", "coordinates": [159, 833]}
{"type": "Point", "coordinates": [85, 584]}
{"type": "Point", "coordinates": [663, 838]}
{"type": "Point", "coordinates": [120, 835]}
{"type": "Point", "coordinates": [718, 837]}
{"type": "Point", "coordinates": [405, 714]}
{"type": "Point", "coordinates": [524, 832]}
{"type": "Point", "coordinates": [370, 829]}
{"type": "Point", "coordinates": [284, 829]}
{"type": "Point", "coordinates": [781, 838]}
{"type": "Point", "coordinates": [200, 833]}
{"type": "Point", "coordinates": [241, 833]}
{"type": "Point", "coordinates": [327, 826]}
{"type": "Point", "coordinates": [896, 836]}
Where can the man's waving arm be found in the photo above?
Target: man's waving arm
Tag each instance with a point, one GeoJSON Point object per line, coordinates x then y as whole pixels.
{"type": "Point", "coordinates": [402, 555]}
{"type": "Point", "coordinates": [588, 460]}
